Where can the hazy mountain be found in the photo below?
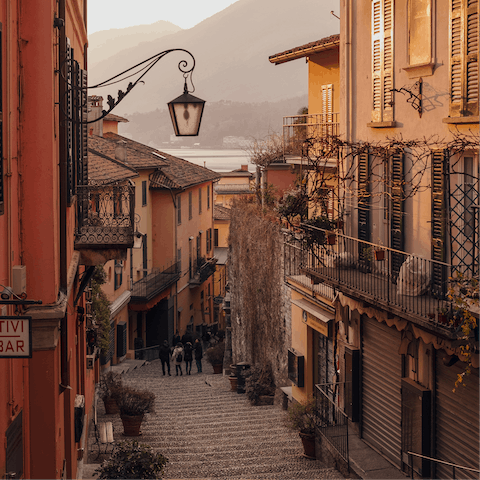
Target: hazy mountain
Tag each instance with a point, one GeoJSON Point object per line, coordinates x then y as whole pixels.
{"type": "Point", "coordinates": [231, 49]}
{"type": "Point", "coordinates": [107, 43]}
{"type": "Point", "coordinates": [220, 120]}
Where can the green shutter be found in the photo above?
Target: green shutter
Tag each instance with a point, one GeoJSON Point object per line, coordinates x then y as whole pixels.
{"type": "Point", "coordinates": [439, 223]}
{"type": "Point", "coordinates": [397, 234]}
{"type": "Point", "coordinates": [363, 197]}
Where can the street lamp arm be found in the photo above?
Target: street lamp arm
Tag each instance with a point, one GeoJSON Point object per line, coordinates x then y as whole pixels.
{"type": "Point", "coordinates": [148, 64]}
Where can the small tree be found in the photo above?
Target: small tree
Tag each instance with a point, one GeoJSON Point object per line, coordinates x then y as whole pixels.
{"type": "Point", "coordinates": [132, 460]}
{"type": "Point", "coordinates": [101, 309]}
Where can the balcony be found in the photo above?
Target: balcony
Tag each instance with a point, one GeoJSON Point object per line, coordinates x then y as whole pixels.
{"type": "Point", "coordinates": [154, 283]}
{"type": "Point", "coordinates": [105, 217]}
{"type": "Point", "coordinates": [201, 270]}
{"type": "Point", "coordinates": [297, 128]}
{"type": "Point", "coordinates": [232, 188]}
{"type": "Point", "coordinates": [403, 284]}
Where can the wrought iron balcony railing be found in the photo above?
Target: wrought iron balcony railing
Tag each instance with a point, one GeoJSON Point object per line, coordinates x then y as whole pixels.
{"type": "Point", "coordinates": [201, 270]}
{"type": "Point", "coordinates": [297, 128]}
{"type": "Point", "coordinates": [155, 282]}
{"type": "Point", "coordinates": [398, 282]}
{"type": "Point", "coordinates": [105, 216]}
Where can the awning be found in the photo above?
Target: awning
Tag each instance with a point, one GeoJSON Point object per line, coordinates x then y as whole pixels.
{"type": "Point", "coordinates": [317, 312]}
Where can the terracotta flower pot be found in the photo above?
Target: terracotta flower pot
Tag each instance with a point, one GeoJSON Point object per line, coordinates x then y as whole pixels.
{"type": "Point", "coordinates": [131, 425]}
{"type": "Point", "coordinates": [331, 239]}
{"type": "Point", "coordinates": [233, 383]}
{"type": "Point", "coordinates": [308, 440]}
{"type": "Point", "coordinates": [379, 255]}
{"type": "Point", "coordinates": [111, 407]}
{"type": "Point", "coordinates": [218, 368]}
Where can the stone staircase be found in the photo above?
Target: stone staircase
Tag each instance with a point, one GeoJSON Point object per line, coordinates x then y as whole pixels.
{"type": "Point", "coordinates": [208, 431]}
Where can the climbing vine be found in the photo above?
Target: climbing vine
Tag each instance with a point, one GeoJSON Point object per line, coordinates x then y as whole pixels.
{"type": "Point", "coordinates": [101, 309]}
{"type": "Point", "coordinates": [258, 302]}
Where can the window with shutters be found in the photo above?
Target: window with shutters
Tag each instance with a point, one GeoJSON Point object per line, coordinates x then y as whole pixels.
{"type": "Point", "coordinates": [397, 210]}
{"type": "Point", "coordinates": [200, 200]}
{"type": "Point", "coordinates": [75, 109]}
{"type": "Point", "coordinates": [464, 32]}
{"type": "Point", "coordinates": [327, 109]}
{"type": "Point", "coordinates": [364, 197]}
{"type": "Point", "coordinates": [208, 197]}
{"type": "Point", "coordinates": [2, 199]}
{"type": "Point", "coordinates": [439, 220]}
{"type": "Point", "coordinates": [190, 206]}
{"type": "Point", "coordinates": [179, 210]}
{"type": "Point", "coordinates": [215, 237]}
{"type": "Point", "coordinates": [382, 61]}
{"type": "Point", "coordinates": [144, 193]}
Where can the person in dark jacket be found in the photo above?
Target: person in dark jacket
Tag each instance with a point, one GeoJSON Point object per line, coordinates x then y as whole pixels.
{"type": "Point", "coordinates": [198, 354]}
{"type": "Point", "coordinates": [188, 356]}
{"type": "Point", "coordinates": [164, 354]}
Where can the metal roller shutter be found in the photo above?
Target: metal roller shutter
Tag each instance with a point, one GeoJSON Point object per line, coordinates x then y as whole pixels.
{"type": "Point", "coordinates": [381, 388]}
{"type": "Point", "coordinates": [457, 420]}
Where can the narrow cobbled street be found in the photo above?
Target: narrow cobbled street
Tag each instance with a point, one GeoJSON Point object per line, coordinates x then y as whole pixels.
{"type": "Point", "coordinates": [208, 431]}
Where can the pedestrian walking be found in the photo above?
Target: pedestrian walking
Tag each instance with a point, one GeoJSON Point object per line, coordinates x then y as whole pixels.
{"type": "Point", "coordinates": [164, 354]}
{"type": "Point", "coordinates": [198, 355]}
{"type": "Point", "coordinates": [188, 356]}
{"type": "Point", "coordinates": [177, 356]}
{"type": "Point", "coordinates": [175, 339]}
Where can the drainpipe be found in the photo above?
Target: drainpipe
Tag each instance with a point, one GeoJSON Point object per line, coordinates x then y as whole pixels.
{"type": "Point", "coordinates": [62, 157]}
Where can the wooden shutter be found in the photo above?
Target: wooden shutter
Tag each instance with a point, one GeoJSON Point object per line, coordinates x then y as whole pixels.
{"type": "Point", "coordinates": [83, 158]}
{"type": "Point", "coordinates": [363, 197]}
{"type": "Point", "coordinates": [439, 212]}
{"type": "Point", "coordinates": [327, 108]}
{"type": "Point", "coordinates": [69, 110]}
{"type": "Point", "coordinates": [464, 32]}
{"type": "Point", "coordinates": [382, 60]}
{"type": "Point", "coordinates": [398, 211]}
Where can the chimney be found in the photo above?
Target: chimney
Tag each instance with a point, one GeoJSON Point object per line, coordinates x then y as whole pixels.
{"type": "Point", "coordinates": [244, 168]}
{"type": "Point", "coordinates": [95, 107]}
{"type": "Point", "coordinates": [121, 151]}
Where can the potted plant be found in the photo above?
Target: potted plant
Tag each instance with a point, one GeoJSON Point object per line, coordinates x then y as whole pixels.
{"type": "Point", "coordinates": [301, 417]}
{"type": "Point", "coordinates": [379, 254]}
{"type": "Point", "coordinates": [215, 356]}
{"type": "Point", "coordinates": [260, 385]}
{"type": "Point", "coordinates": [109, 389]}
{"type": "Point", "coordinates": [132, 460]}
{"type": "Point", "coordinates": [133, 405]}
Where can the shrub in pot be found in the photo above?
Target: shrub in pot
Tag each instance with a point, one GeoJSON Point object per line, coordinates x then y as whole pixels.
{"type": "Point", "coordinates": [301, 417]}
{"type": "Point", "coordinates": [109, 390]}
{"type": "Point", "coordinates": [132, 460]}
{"type": "Point", "coordinates": [259, 383]}
{"type": "Point", "coordinates": [133, 405]}
{"type": "Point", "coordinates": [214, 356]}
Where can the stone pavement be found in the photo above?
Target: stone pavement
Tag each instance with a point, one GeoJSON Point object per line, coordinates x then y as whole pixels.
{"type": "Point", "coordinates": [208, 431]}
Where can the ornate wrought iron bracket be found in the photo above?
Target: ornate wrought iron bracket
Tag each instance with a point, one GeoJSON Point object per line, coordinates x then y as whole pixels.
{"type": "Point", "coordinates": [415, 99]}
{"type": "Point", "coordinates": [144, 67]}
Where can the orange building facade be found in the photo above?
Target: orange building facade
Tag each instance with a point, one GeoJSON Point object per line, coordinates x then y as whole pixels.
{"type": "Point", "coordinates": [46, 389]}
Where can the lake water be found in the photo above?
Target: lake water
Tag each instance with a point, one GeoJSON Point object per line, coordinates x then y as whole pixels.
{"type": "Point", "coordinates": [216, 160]}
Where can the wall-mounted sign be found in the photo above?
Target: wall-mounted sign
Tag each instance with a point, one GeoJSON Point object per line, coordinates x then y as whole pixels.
{"type": "Point", "coordinates": [15, 337]}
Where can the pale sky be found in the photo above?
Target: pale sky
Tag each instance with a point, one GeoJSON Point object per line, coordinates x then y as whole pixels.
{"type": "Point", "coordinates": [106, 14]}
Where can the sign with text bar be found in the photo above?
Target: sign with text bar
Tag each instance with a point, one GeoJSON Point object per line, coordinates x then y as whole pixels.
{"type": "Point", "coordinates": [15, 337]}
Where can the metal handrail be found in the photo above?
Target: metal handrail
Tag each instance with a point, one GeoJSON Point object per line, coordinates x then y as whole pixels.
{"type": "Point", "coordinates": [332, 423]}
{"type": "Point", "coordinates": [453, 465]}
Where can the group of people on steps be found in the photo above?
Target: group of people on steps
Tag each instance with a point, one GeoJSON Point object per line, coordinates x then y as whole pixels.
{"type": "Point", "coordinates": [182, 351]}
